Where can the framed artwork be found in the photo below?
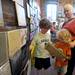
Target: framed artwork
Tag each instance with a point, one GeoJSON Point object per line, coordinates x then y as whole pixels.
{"type": "Point", "coordinates": [21, 15]}
{"type": "Point", "coordinates": [23, 35]}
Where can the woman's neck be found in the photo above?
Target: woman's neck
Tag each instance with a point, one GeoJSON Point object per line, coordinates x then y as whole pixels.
{"type": "Point", "coordinates": [71, 17]}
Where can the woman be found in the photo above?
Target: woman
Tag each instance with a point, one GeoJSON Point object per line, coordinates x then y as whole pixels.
{"type": "Point", "coordinates": [70, 25]}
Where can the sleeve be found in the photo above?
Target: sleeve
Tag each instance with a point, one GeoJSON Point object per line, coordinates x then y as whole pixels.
{"type": "Point", "coordinates": [70, 26]}
{"type": "Point", "coordinates": [32, 46]}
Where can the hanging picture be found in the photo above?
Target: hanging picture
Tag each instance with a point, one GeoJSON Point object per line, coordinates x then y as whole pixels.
{"type": "Point", "coordinates": [21, 15]}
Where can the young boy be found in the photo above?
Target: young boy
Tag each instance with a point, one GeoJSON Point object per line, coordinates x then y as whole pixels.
{"type": "Point", "coordinates": [64, 38]}
{"type": "Point", "coordinates": [37, 47]}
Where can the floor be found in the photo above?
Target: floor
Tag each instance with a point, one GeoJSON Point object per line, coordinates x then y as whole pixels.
{"type": "Point", "coordinates": [50, 71]}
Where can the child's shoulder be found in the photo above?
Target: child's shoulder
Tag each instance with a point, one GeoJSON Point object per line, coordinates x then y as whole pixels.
{"type": "Point", "coordinates": [36, 36]}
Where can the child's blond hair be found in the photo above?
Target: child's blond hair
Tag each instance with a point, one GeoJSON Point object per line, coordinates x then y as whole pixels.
{"type": "Point", "coordinates": [64, 35]}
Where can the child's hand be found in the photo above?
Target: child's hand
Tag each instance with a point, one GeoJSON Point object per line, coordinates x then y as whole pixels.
{"type": "Point", "coordinates": [72, 44]}
{"type": "Point", "coordinates": [63, 59]}
{"type": "Point", "coordinates": [68, 57]}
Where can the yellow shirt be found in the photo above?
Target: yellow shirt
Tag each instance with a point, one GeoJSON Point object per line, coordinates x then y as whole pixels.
{"type": "Point", "coordinates": [38, 45]}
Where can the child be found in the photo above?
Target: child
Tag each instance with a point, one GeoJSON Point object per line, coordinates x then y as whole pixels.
{"type": "Point", "coordinates": [37, 47]}
{"type": "Point", "coordinates": [53, 32]}
{"type": "Point", "coordinates": [64, 38]}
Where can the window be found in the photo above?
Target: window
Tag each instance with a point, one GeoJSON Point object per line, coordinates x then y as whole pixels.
{"type": "Point", "coordinates": [51, 11]}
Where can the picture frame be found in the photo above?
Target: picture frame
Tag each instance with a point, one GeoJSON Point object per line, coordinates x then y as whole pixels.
{"type": "Point", "coordinates": [28, 10]}
{"type": "Point", "coordinates": [21, 15]}
{"type": "Point", "coordinates": [20, 2]}
{"type": "Point", "coordinates": [31, 2]}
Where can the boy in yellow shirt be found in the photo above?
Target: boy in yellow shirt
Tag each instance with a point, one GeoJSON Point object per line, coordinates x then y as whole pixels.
{"type": "Point", "coordinates": [37, 47]}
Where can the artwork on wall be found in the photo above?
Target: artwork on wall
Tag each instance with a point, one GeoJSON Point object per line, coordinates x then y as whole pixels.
{"type": "Point", "coordinates": [21, 15]}
{"type": "Point", "coordinates": [8, 13]}
{"type": "Point", "coordinates": [1, 16]}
